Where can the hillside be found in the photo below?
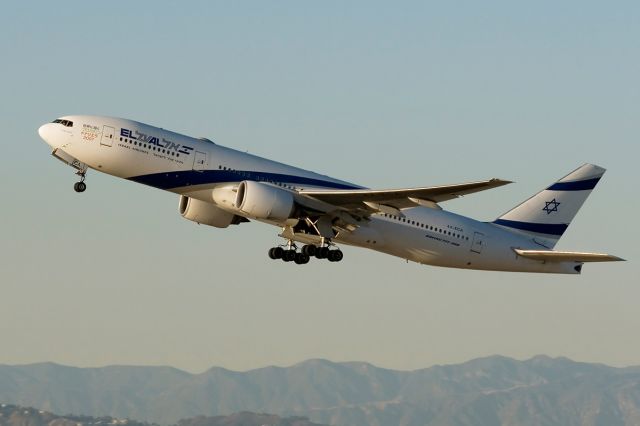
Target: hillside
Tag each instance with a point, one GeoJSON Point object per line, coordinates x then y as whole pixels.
{"type": "Point", "coordinates": [13, 415]}
{"type": "Point", "coordinates": [486, 391]}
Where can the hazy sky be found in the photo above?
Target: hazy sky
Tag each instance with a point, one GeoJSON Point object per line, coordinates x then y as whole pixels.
{"type": "Point", "coordinates": [384, 94]}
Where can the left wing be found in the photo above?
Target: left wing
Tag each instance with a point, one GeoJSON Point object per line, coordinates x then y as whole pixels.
{"type": "Point", "coordinates": [566, 256]}
{"type": "Point", "coordinates": [391, 199]}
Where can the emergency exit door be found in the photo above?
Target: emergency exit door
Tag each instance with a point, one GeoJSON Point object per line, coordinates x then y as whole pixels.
{"type": "Point", "coordinates": [107, 135]}
{"type": "Point", "coordinates": [478, 242]}
{"type": "Point", "coordinates": [200, 161]}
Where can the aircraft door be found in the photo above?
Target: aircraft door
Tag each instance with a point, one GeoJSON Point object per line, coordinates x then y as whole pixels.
{"type": "Point", "coordinates": [478, 242]}
{"type": "Point", "coordinates": [200, 162]}
{"type": "Point", "coordinates": [107, 135]}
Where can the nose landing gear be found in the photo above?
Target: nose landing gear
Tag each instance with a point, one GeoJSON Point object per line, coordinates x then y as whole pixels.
{"type": "Point", "coordinates": [80, 186]}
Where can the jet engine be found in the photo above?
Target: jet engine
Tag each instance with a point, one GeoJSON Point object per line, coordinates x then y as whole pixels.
{"type": "Point", "coordinates": [263, 201]}
{"type": "Point", "coordinates": [207, 213]}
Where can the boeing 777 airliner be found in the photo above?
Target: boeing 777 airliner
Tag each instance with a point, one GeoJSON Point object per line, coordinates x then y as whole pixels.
{"type": "Point", "coordinates": [220, 186]}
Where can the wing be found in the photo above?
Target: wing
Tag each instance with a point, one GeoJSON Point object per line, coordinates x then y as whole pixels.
{"type": "Point", "coordinates": [566, 256]}
{"type": "Point", "coordinates": [393, 199]}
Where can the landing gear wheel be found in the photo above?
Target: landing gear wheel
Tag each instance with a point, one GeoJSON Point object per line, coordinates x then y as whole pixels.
{"type": "Point", "coordinates": [322, 252]}
{"type": "Point", "coordinates": [309, 250]}
{"type": "Point", "coordinates": [277, 252]}
{"type": "Point", "coordinates": [301, 258]}
{"type": "Point", "coordinates": [335, 256]}
{"type": "Point", "coordinates": [80, 186]}
{"type": "Point", "coordinates": [288, 255]}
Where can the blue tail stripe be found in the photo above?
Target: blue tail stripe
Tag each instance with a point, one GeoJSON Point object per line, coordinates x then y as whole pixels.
{"type": "Point", "coordinates": [580, 185]}
{"type": "Point", "coordinates": [540, 228]}
{"type": "Point", "coordinates": [177, 179]}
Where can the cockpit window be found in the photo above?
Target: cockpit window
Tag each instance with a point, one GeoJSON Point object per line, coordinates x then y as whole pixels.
{"type": "Point", "coordinates": [65, 123]}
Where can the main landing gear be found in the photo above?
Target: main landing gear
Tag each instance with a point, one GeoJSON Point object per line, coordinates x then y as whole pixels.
{"type": "Point", "coordinates": [289, 253]}
{"type": "Point", "coordinates": [80, 186]}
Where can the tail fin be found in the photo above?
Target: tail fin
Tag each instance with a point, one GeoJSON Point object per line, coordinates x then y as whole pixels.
{"type": "Point", "coordinates": [547, 214]}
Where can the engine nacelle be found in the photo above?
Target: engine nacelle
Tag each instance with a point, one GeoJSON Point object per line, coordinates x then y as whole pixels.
{"type": "Point", "coordinates": [207, 213]}
{"type": "Point", "coordinates": [263, 201]}
{"type": "Point", "coordinates": [225, 197]}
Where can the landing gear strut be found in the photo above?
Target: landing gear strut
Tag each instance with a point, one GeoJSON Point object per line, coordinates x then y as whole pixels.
{"type": "Point", "coordinates": [289, 253]}
{"type": "Point", "coordinates": [80, 186]}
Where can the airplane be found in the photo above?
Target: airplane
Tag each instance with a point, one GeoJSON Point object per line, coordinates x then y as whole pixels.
{"type": "Point", "coordinates": [220, 186]}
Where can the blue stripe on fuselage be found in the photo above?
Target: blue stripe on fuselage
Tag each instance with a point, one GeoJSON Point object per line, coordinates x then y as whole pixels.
{"type": "Point", "coordinates": [580, 185]}
{"type": "Point", "coordinates": [177, 179]}
{"type": "Point", "coordinates": [540, 228]}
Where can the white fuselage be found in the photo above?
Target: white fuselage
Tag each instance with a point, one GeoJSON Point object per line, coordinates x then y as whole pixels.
{"type": "Point", "coordinates": [194, 167]}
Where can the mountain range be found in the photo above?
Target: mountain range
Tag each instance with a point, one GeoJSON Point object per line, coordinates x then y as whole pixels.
{"type": "Point", "coordinates": [487, 391]}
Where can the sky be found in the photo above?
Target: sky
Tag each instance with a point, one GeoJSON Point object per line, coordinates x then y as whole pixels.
{"type": "Point", "coordinates": [383, 94]}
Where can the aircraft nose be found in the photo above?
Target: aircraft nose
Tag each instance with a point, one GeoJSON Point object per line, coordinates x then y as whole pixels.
{"type": "Point", "coordinates": [46, 132]}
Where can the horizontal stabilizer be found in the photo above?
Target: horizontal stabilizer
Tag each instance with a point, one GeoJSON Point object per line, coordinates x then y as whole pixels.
{"type": "Point", "coordinates": [566, 256]}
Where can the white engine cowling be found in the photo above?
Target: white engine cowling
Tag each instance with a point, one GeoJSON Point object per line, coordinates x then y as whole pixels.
{"type": "Point", "coordinates": [264, 201]}
{"type": "Point", "coordinates": [207, 213]}
{"type": "Point", "coordinates": [225, 197]}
